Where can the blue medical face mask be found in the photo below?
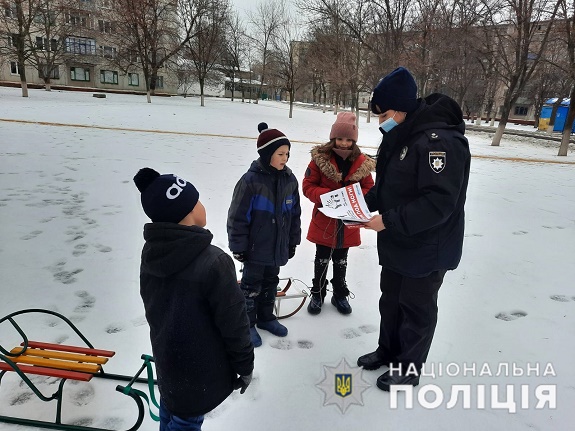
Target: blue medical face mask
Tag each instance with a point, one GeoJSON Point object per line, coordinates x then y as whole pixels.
{"type": "Point", "coordinates": [388, 124]}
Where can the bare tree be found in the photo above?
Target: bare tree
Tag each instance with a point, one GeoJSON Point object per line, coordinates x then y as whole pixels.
{"type": "Point", "coordinates": [208, 47]}
{"type": "Point", "coordinates": [16, 19]}
{"type": "Point", "coordinates": [152, 32]}
{"type": "Point", "coordinates": [521, 42]}
{"type": "Point", "coordinates": [235, 53]}
{"type": "Point", "coordinates": [47, 39]}
{"type": "Point", "coordinates": [266, 20]}
{"type": "Point", "coordinates": [291, 57]}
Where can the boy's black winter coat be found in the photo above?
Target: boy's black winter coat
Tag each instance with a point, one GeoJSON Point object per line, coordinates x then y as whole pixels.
{"type": "Point", "coordinates": [198, 325]}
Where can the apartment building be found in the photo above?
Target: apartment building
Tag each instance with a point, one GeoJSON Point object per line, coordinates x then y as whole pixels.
{"type": "Point", "coordinates": [76, 44]}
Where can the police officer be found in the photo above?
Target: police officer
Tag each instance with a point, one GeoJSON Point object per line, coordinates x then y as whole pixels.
{"type": "Point", "coordinates": [421, 182]}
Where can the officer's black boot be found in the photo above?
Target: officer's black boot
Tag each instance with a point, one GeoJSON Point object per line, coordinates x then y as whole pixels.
{"type": "Point", "coordinates": [340, 290]}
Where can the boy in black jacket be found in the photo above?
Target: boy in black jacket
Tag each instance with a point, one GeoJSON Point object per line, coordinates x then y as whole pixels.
{"type": "Point", "coordinates": [198, 324]}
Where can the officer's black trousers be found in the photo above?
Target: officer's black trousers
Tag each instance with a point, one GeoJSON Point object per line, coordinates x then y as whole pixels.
{"type": "Point", "coordinates": [408, 309]}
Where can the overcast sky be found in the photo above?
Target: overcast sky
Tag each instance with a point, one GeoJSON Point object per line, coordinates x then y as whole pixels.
{"type": "Point", "coordinates": [242, 6]}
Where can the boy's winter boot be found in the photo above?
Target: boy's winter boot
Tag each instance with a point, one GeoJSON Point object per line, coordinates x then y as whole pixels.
{"type": "Point", "coordinates": [319, 286]}
{"type": "Point", "coordinates": [265, 314]}
{"type": "Point", "coordinates": [340, 290]}
{"type": "Point", "coordinates": [274, 327]}
{"type": "Point", "coordinates": [256, 339]}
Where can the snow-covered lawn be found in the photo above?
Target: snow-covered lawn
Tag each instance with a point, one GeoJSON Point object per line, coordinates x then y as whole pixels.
{"type": "Point", "coordinates": [71, 236]}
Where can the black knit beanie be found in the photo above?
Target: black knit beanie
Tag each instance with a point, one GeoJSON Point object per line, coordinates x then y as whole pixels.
{"type": "Point", "coordinates": [165, 198]}
{"type": "Point", "coordinates": [397, 91]}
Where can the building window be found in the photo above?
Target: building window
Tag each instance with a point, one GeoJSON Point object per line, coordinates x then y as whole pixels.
{"type": "Point", "coordinates": [159, 82]}
{"type": "Point", "coordinates": [43, 45]}
{"type": "Point", "coordinates": [106, 26]}
{"type": "Point", "coordinates": [108, 51]}
{"type": "Point", "coordinates": [14, 69]}
{"type": "Point", "coordinates": [80, 45]}
{"type": "Point", "coordinates": [13, 40]}
{"type": "Point", "coordinates": [45, 17]}
{"type": "Point", "coordinates": [79, 74]}
{"type": "Point", "coordinates": [521, 110]}
{"type": "Point", "coordinates": [53, 73]}
{"type": "Point", "coordinates": [133, 57]}
{"type": "Point", "coordinates": [77, 20]}
{"type": "Point", "coordinates": [133, 79]}
{"type": "Point", "coordinates": [108, 77]}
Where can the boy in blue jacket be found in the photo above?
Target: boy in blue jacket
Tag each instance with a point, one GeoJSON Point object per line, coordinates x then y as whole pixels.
{"type": "Point", "coordinates": [264, 228]}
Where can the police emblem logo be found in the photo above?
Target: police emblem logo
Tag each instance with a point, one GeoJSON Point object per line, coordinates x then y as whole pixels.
{"type": "Point", "coordinates": [403, 153]}
{"type": "Point", "coordinates": [343, 384]}
{"type": "Point", "coordinates": [437, 161]}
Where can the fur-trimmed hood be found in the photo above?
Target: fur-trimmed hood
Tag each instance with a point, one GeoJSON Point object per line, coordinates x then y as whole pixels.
{"type": "Point", "coordinates": [361, 166]}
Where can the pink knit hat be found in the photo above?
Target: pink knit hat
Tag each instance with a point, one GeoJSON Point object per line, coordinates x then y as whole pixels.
{"type": "Point", "coordinates": [344, 126]}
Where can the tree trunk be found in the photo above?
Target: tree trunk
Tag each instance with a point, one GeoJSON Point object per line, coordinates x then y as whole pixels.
{"type": "Point", "coordinates": [23, 80]}
{"type": "Point", "coordinates": [24, 88]}
{"type": "Point", "coordinates": [202, 92]}
{"type": "Point", "coordinates": [502, 123]}
{"type": "Point", "coordinates": [148, 96]}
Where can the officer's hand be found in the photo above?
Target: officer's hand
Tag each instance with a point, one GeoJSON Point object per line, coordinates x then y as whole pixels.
{"type": "Point", "coordinates": [291, 252]}
{"type": "Point", "coordinates": [376, 223]}
{"type": "Point", "coordinates": [240, 257]}
{"type": "Point", "coordinates": [242, 382]}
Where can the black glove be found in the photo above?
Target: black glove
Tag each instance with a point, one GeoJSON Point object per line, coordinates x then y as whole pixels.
{"type": "Point", "coordinates": [291, 252]}
{"type": "Point", "coordinates": [242, 382]}
{"type": "Point", "coordinates": [240, 257]}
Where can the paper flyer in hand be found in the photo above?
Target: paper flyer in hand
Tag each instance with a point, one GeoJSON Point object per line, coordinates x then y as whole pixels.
{"type": "Point", "coordinates": [346, 204]}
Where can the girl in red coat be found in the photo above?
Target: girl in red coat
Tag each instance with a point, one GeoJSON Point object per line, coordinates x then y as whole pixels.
{"type": "Point", "coordinates": [334, 165]}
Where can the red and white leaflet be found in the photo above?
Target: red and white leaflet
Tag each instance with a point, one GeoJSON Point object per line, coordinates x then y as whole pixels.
{"type": "Point", "coordinates": [346, 204]}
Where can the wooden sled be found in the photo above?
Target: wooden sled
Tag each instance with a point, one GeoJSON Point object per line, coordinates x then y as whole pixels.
{"type": "Point", "coordinates": [66, 362]}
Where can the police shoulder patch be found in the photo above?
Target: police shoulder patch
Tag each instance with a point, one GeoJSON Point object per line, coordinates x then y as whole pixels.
{"type": "Point", "coordinates": [437, 160]}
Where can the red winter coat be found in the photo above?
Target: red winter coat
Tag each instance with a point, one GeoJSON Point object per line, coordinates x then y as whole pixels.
{"type": "Point", "coordinates": [323, 175]}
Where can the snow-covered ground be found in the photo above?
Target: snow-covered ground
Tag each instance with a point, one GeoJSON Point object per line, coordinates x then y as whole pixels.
{"type": "Point", "coordinates": [71, 236]}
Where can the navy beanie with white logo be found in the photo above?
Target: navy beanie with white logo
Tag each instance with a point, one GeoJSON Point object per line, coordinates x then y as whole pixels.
{"type": "Point", "coordinates": [165, 198]}
{"type": "Point", "coordinates": [397, 91]}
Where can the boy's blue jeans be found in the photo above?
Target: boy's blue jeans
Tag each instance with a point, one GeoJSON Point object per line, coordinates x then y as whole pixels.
{"type": "Point", "coordinates": [170, 422]}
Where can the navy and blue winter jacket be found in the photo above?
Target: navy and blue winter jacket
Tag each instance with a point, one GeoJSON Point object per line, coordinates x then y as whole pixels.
{"type": "Point", "coordinates": [421, 181]}
{"type": "Point", "coordinates": [264, 216]}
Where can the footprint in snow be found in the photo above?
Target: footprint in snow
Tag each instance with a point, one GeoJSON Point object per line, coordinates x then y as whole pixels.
{"type": "Point", "coordinates": [349, 333]}
{"type": "Point", "coordinates": [560, 298]}
{"type": "Point", "coordinates": [510, 316]}
{"type": "Point", "coordinates": [82, 394]}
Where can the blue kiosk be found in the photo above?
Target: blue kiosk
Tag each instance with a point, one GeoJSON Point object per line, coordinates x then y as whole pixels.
{"type": "Point", "coordinates": [561, 116]}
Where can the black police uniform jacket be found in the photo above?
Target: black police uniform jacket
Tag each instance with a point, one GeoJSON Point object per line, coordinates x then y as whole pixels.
{"type": "Point", "coordinates": [198, 324]}
{"type": "Point", "coordinates": [420, 189]}
{"type": "Point", "coordinates": [264, 216]}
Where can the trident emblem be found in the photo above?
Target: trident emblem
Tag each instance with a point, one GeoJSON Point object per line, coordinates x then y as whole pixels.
{"type": "Point", "coordinates": [343, 385]}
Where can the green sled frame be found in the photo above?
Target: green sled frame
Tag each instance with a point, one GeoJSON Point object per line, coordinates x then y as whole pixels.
{"type": "Point", "coordinates": [136, 395]}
